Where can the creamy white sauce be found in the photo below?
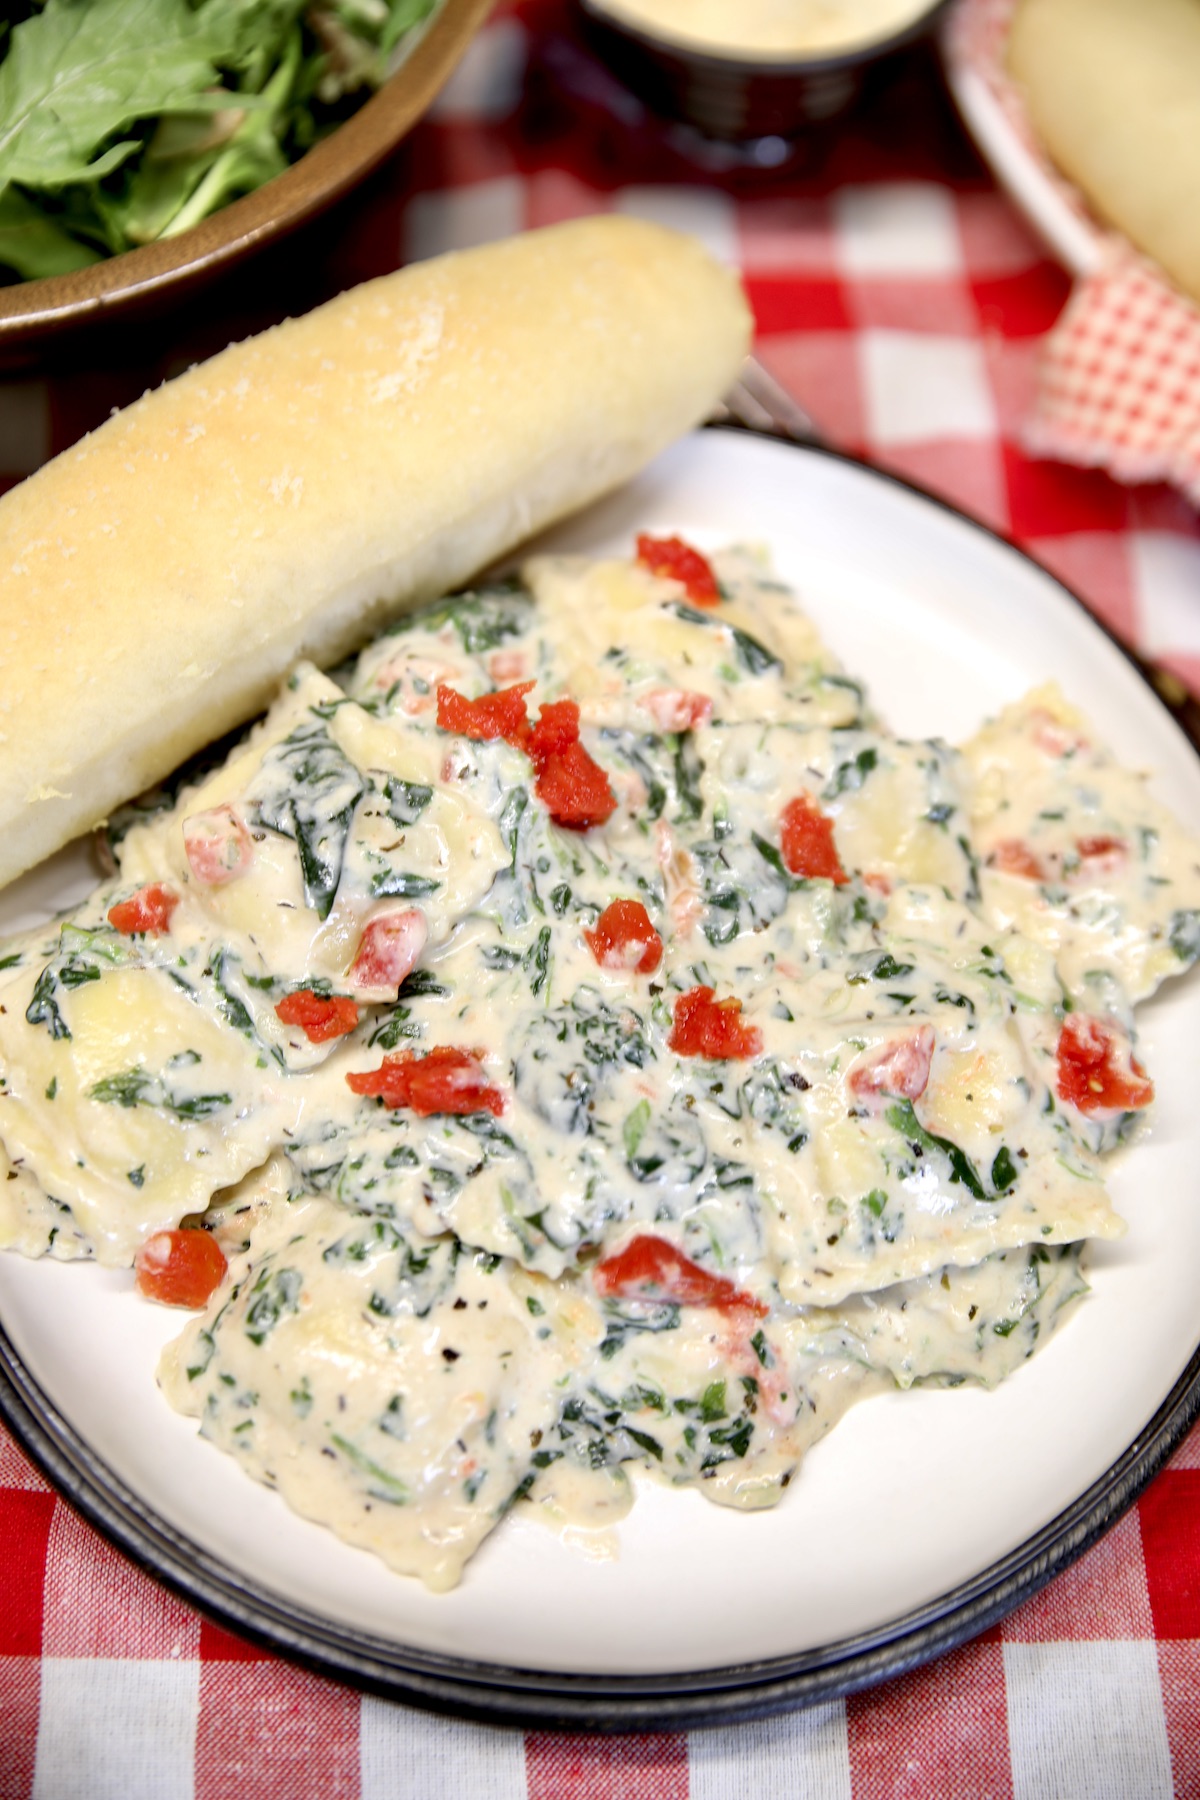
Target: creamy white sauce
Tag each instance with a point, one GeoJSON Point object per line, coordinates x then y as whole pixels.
{"type": "Point", "coordinates": [1077, 854]}
{"type": "Point", "coordinates": [417, 1331]}
{"type": "Point", "coordinates": [782, 29]}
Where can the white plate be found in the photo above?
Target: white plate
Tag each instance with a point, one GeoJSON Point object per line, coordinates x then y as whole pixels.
{"type": "Point", "coordinates": [923, 1515]}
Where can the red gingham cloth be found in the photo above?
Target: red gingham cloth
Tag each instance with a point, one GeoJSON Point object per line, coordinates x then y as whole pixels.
{"type": "Point", "coordinates": [903, 301]}
{"type": "Point", "coordinates": [1119, 376]}
{"type": "Point", "coordinates": [1119, 384]}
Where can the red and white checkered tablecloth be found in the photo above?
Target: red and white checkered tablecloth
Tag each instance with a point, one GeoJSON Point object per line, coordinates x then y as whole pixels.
{"type": "Point", "coordinates": [901, 299]}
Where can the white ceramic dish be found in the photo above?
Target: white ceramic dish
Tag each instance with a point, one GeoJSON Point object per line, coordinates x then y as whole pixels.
{"type": "Point", "coordinates": [923, 1516]}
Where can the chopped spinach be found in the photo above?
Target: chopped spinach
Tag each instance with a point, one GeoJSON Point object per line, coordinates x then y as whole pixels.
{"type": "Point", "coordinates": [274, 1295]}
{"type": "Point", "coordinates": [43, 1008]}
{"type": "Point", "coordinates": [903, 1119]}
{"type": "Point", "coordinates": [406, 800]}
{"type": "Point", "coordinates": [850, 775]}
{"type": "Point", "coordinates": [1185, 935]}
{"type": "Point", "coordinates": [136, 1087]}
{"type": "Point", "coordinates": [383, 1486]}
{"type": "Point", "coordinates": [308, 790]}
{"type": "Point", "coordinates": [399, 884]}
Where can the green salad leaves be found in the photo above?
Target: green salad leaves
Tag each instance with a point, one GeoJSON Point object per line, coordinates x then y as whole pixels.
{"type": "Point", "coordinates": [123, 121]}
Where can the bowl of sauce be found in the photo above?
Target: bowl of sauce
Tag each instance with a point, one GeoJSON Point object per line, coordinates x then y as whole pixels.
{"type": "Point", "coordinates": [746, 69]}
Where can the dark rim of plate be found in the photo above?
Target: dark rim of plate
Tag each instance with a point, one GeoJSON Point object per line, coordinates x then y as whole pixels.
{"type": "Point", "coordinates": [500, 1695]}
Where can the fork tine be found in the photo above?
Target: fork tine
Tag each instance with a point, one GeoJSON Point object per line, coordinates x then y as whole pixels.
{"type": "Point", "coordinates": [756, 399]}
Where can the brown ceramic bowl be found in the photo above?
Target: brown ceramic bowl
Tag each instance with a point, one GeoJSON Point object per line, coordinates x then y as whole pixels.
{"type": "Point", "coordinates": [741, 98]}
{"type": "Point", "coordinates": [31, 310]}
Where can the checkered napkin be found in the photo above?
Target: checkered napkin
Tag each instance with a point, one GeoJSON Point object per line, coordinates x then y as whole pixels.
{"type": "Point", "coordinates": [110, 1689]}
{"type": "Point", "coordinates": [1119, 377]}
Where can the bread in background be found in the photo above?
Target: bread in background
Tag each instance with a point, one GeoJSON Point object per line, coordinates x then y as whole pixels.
{"type": "Point", "coordinates": [1112, 89]}
{"type": "Point", "coordinates": [286, 498]}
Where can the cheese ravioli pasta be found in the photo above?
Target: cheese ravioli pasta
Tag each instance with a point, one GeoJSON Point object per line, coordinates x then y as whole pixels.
{"type": "Point", "coordinates": [597, 1045]}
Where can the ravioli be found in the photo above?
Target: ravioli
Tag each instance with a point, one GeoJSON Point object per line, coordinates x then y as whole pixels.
{"type": "Point", "coordinates": [1077, 854]}
{"type": "Point", "coordinates": [600, 1046]}
{"type": "Point", "coordinates": [33, 1223]}
{"type": "Point", "coordinates": [323, 825]}
{"type": "Point", "coordinates": [898, 808]}
{"type": "Point", "coordinates": [125, 1091]}
{"type": "Point", "coordinates": [393, 1390]}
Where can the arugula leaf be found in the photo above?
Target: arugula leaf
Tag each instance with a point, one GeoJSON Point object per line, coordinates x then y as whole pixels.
{"type": "Point", "coordinates": [33, 244]}
{"type": "Point", "coordinates": [124, 121]}
{"type": "Point", "coordinates": [402, 17]}
{"type": "Point", "coordinates": [251, 34]}
{"type": "Point", "coordinates": [78, 73]}
{"type": "Point", "coordinates": [178, 157]}
{"type": "Point", "coordinates": [253, 154]}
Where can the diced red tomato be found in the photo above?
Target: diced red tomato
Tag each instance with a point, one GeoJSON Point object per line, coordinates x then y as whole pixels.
{"type": "Point", "coordinates": [807, 842]}
{"type": "Point", "coordinates": [498, 715]}
{"type": "Point", "coordinates": [1097, 1070]}
{"type": "Point", "coordinates": [180, 1268]}
{"type": "Point", "coordinates": [650, 1268]}
{"type": "Point", "coordinates": [1012, 856]}
{"type": "Point", "coordinates": [218, 846]}
{"type": "Point", "coordinates": [319, 1016]}
{"type": "Point", "coordinates": [1101, 855]}
{"type": "Point", "coordinates": [677, 709]}
{"type": "Point", "coordinates": [878, 880]}
{"type": "Point", "coordinates": [1052, 737]}
{"type": "Point", "coordinates": [443, 1080]}
{"type": "Point", "coordinates": [573, 788]}
{"type": "Point", "coordinates": [900, 1069]}
{"type": "Point", "coordinates": [671, 557]}
{"type": "Point", "coordinates": [506, 665]}
{"type": "Point", "coordinates": [624, 938]}
{"type": "Point", "coordinates": [387, 951]}
{"type": "Point", "coordinates": [706, 1026]}
{"type": "Point", "coordinates": [148, 910]}
{"type": "Point", "coordinates": [557, 729]}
